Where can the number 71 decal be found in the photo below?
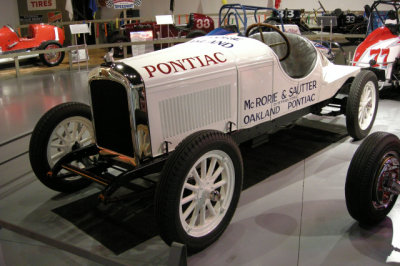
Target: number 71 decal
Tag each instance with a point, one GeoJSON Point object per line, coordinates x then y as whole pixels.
{"type": "Point", "coordinates": [380, 53]}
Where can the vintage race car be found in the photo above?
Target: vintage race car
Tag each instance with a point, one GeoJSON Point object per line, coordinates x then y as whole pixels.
{"type": "Point", "coordinates": [347, 22]}
{"type": "Point", "coordinates": [373, 179]}
{"type": "Point", "coordinates": [40, 37]}
{"type": "Point", "coordinates": [381, 49]}
{"type": "Point", "coordinates": [183, 111]}
{"type": "Point", "coordinates": [198, 25]}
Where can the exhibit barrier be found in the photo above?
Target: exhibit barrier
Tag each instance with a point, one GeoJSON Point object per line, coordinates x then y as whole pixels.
{"type": "Point", "coordinates": [89, 47]}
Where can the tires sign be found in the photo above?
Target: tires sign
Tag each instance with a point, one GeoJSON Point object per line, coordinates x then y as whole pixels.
{"type": "Point", "coordinates": [34, 5]}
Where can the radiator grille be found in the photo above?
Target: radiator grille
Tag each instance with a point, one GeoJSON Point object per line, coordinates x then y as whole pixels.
{"type": "Point", "coordinates": [111, 116]}
{"type": "Point", "coordinates": [191, 111]}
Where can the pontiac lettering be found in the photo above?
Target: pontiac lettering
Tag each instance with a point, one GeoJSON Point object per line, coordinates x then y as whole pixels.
{"type": "Point", "coordinates": [301, 101]}
{"type": "Point", "coordinates": [185, 64]}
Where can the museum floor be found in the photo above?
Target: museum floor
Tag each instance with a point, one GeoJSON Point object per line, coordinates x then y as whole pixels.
{"type": "Point", "coordinates": [291, 212]}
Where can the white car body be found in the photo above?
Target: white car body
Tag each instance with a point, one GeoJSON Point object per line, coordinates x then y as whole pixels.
{"type": "Point", "coordinates": [213, 80]}
{"type": "Point", "coordinates": [183, 111]}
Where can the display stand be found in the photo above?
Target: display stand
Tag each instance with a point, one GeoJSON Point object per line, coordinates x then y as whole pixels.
{"type": "Point", "coordinates": [164, 20]}
{"type": "Point", "coordinates": [325, 21]}
{"type": "Point", "coordinates": [80, 54]}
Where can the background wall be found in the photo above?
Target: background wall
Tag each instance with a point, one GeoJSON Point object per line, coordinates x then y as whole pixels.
{"type": "Point", "coordinates": [150, 8]}
{"type": "Point", "coordinates": [9, 13]}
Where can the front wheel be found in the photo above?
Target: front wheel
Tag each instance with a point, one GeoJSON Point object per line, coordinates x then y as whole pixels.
{"type": "Point", "coordinates": [53, 58]}
{"type": "Point", "coordinates": [362, 104]}
{"type": "Point", "coordinates": [372, 173]}
{"type": "Point", "coordinates": [63, 128]}
{"type": "Point", "coordinates": [199, 190]}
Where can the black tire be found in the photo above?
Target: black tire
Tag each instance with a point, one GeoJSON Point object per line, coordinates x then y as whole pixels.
{"type": "Point", "coordinates": [51, 59]}
{"type": "Point", "coordinates": [119, 51]}
{"type": "Point", "coordinates": [365, 200]}
{"type": "Point", "coordinates": [175, 174]}
{"type": "Point", "coordinates": [195, 34]}
{"type": "Point", "coordinates": [364, 85]}
{"type": "Point", "coordinates": [40, 147]}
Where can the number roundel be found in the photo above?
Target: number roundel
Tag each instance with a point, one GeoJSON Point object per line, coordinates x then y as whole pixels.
{"type": "Point", "coordinates": [380, 56]}
{"type": "Point", "coordinates": [203, 23]}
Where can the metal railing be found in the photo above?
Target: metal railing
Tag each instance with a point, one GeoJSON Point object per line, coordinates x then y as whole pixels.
{"type": "Point", "coordinates": [69, 49]}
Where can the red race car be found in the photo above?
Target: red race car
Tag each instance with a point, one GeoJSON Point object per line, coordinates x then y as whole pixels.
{"type": "Point", "coordinates": [40, 36]}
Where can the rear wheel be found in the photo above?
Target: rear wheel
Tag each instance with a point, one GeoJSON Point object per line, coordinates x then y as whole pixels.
{"type": "Point", "coordinates": [52, 58]}
{"type": "Point", "coordinates": [64, 128]}
{"type": "Point", "coordinates": [362, 104]}
{"type": "Point", "coordinates": [199, 190]}
{"type": "Point", "coordinates": [373, 170]}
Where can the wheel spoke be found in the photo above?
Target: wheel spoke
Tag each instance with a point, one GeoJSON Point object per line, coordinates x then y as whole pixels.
{"type": "Point", "coordinates": [195, 214]}
{"type": "Point", "coordinates": [219, 184]}
{"type": "Point", "coordinates": [196, 176]}
{"type": "Point", "coordinates": [83, 129]}
{"type": "Point", "coordinates": [210, 207]}
{"type": "Point", "coordinates": [189, 210]}
{"type": "Point", "coordinates": [75, 131]}
{"type": "Point", "coordinates": [202, 215]}
{"type": "Point", "coordinates": [217, 173]}
{"type": "Point", "coordinates": [203, 170]}
{"type": "Point", "coordinates": [62, 139]}
{"type": "Point", "coordinates": [187, 199]}
{"type": "Point", "coordinates": [88, 139]}
{"type": "Point", "coordinates": [59, 146]}
{"type": "Point", "coordinates": [57, 155]}
{"type": "Point", "coordinates": [191, 187]}
{"type": "Point", "coordinates": [211, 167]}
{"type": "Point", "coordinates": [67, 133]}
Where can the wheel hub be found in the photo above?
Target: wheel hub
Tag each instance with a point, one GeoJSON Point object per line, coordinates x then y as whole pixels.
{"type": "Point", "coordinates": [388, 182]}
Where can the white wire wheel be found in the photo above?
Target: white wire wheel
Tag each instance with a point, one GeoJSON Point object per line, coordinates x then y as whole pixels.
{"type": "Point", "coordinates": [70, 134]}
{"type": "Point", "coordinates": [362, 104]}
{"type": "Point", "coordinates": [199, 189]}
{"type": "Point", "coordinates": [207, 193]}
{"type": "Point", "coordinates": [63, 128]}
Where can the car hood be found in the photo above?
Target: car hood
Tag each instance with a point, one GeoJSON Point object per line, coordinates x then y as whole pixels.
{"type": "Point", "coordinates": [199, 56]}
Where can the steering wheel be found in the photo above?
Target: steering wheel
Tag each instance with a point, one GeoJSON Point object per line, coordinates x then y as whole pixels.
{"type": "Point", "coordinates": [260, 27]}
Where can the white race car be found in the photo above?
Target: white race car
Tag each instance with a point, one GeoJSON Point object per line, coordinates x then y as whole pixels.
{"type": "Point", "coordinates": [183, 111]}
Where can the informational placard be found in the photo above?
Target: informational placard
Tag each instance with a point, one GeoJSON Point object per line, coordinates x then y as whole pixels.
{"type": "Point", "coordinates": [31, 19]}
{"type": "Point", "coordinates": [327, 20]}
{"type": "Point", "coordinates": [79, 55]}
{"type": "Point", "coordinates": [34, 5]}
{"type": "Point", "coordinates": [164, 19]}
{"type": "Point", "coordinates": [79, 28]}
{"type": "Point", "coordinates": [123, 4]}
{"type": "Point", "coordinates": [141, 36]}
